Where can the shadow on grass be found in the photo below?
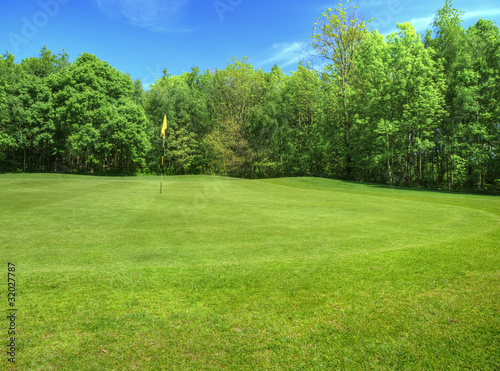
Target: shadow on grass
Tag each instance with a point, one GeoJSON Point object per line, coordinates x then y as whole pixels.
{"type": "Point", "coordinates": [394, 187]}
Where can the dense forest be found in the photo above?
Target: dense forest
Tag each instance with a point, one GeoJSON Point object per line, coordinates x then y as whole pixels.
{"type": "Point", "coordinates": [407, 109]}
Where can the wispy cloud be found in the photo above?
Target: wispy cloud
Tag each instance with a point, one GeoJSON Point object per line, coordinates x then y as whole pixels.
{"type": "Point", "coordinates": [154, 15]}
{"type": "Point", "coordinates": [422, 24]}
{"type": "Point", "coordinates": [284, 54]}
{"type": "Point", "coordinates": [486, 13]}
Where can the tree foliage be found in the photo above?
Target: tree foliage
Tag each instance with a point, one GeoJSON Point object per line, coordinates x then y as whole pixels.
{"type": "Point", "coordinates": [406, 109]}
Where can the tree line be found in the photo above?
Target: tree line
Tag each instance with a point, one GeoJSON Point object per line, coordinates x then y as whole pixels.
{"type": "Point", "coordinates": [407, 109]}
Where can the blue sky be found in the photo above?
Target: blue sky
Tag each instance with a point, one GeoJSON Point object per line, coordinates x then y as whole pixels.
{"type": "Point", "coordinates": [142, 37]}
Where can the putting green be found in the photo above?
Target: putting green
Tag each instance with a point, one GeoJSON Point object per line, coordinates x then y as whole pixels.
{"type": "Point", "coordinates": [231, 218]}
{"type": "Point", "coordinates": [249, 274]}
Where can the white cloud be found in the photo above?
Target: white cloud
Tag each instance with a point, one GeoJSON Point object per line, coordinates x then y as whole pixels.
{"type": "Point", "coordinates": [154, 15]}
{"type": "Point", "coordinates": [420, 24]}
{"type": "Point", "coordinates": [484, 13]}
{"type": "Point", "coordinates": [424, 23]}
{"type": "Point", "coordinates": [284, 54]}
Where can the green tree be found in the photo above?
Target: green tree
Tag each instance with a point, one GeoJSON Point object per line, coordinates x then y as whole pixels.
{"type": "Point", "coordinates": [302, 144]}
{"type": "Point", "coordinates": [94, 103]}
{"type": "Point", "coordinates": [482, 129]}
{"type": "Point", "coordinates": [182, 99]}
{"type": "Point", "coordinates": [27, 112]}
{"type": "Point", "coordinates": [46, 64]}
{"type": "Point", "coordinates": [7, 140]}
{"type": "Point", "coordinates": [235, 91]}
{"type": "Point", "coordinates": [376, 133]}
{"type": "Point", "coordinates": [336, 37]}
{"type": "Point", "coordinates": [139, 92]}
{"type": "Point", "coordinates": [467, 141]}
{"type": "Point", "coordinates": [417, 101]}
{"type": "Point", "coordinates": [448, 39]}
{"type": "Point", "coordinates": [266, 127]}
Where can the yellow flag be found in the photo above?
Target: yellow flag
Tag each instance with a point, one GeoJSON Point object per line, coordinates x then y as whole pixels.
{"type": "Point", "coordinates": [164, 127]}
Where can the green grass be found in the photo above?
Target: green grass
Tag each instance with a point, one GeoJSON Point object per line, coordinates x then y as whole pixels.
{"type": "Point", "coordinates": [291, 274]}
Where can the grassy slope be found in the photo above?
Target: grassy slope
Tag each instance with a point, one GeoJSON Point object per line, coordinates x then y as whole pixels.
{"type": "Point", "coordinates": [249, 274]}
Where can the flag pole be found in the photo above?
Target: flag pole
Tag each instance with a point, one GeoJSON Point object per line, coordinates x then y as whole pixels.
{"type": "Point", "coordinates": [162, 164]}
{"type": "Point", "coordinates": [163, 129]}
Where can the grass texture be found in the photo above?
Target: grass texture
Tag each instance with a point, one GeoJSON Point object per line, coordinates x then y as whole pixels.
{"type": "Point", "coordinates": [222, 273]}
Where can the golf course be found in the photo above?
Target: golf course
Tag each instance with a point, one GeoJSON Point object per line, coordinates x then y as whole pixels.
{"type": "Point", "coordinates": [237, 274]}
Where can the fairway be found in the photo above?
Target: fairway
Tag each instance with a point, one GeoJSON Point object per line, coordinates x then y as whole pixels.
{"type": "Point", "coordinates": [226, 273]}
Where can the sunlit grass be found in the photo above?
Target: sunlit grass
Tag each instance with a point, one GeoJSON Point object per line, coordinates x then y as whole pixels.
{"type": "Point", "coordinates": [248, 274]}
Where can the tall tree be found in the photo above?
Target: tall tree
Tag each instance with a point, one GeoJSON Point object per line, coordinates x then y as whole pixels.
{"type": "Point", "coordinates": [267, 126]}
{"type": "Point", "coordinates": [375, 139]}
{"type": "Point", "coordinates": [417, 99]}
{"type": "Point", "coordinates": [93, 103]}
{"type": "Point", "coordinates": [236, 89]}
{"type": "Point", "coordinates": [482, 130]}
{"type": "Point", "coordinates": [8, 142]}
{"type": "Point", "coordinates": [467, 141]}
{"type": "Point", "coordinates": [336, 37]}
{"type": "Point", "coordinates": [27, 113]}
{"type": "Point", "coordinates": [448, 39]}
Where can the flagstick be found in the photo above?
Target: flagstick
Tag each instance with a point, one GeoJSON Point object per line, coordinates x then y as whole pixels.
{"type": "Point", "coordinates": [163, 129]}
{"type": "Point", "coordinates": [162, 165]}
